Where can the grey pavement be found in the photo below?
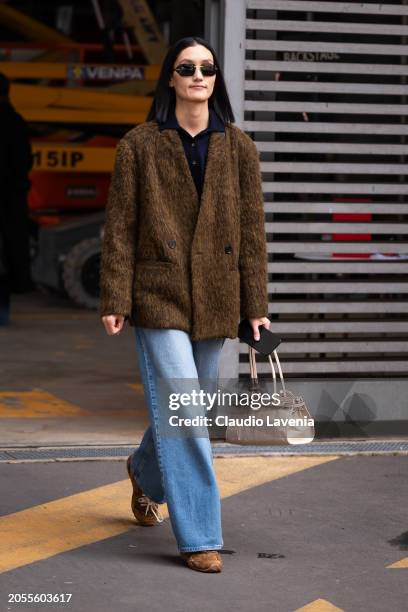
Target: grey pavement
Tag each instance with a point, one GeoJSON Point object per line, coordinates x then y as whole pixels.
{"type": "Point", "coordinates": [324, 533]}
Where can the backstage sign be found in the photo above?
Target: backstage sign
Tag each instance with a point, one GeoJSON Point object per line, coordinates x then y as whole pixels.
{"type": "Point", "coordinates": [310, 56]}
{"type": "Point", "coordinates": [101, 72]}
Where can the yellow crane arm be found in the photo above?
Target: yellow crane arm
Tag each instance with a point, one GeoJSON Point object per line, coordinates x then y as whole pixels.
{"type": "Point", "coordinates": [65, 116]}
{"type": "Point", "coordinates": [138, 16]}
{"type": "Point", "coordinates": [55, 97]}
{"type": "Point", "coordinates": [31, 28]}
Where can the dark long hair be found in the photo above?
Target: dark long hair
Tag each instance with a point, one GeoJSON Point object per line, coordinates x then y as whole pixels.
{"type": "Point", "coordinates": [164, 98]}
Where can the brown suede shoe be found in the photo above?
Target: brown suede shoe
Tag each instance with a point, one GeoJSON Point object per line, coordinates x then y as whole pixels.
{"type": "Point", "coordinates": [203, 560]}
{"type": "Point", "coordinates": [146, 511]}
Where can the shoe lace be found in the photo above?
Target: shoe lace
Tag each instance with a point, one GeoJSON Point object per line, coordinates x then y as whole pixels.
{"type": "Point", "coordinates": [151, 506]}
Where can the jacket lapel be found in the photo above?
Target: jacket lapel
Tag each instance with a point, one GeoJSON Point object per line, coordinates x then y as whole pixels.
{"type": "Point", "coordinates": [172, 148]}
{"type": "Point", "coordinates": [213, 180]}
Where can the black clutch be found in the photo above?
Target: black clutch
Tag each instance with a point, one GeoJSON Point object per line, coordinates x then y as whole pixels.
{"type": "Point", "coordinates": [265, 345]}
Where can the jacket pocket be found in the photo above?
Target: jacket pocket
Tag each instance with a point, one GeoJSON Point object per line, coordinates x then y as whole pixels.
{"type": "Point", "coordinates": [160, 289]}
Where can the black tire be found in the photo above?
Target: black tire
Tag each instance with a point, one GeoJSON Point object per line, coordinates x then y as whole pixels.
{"type": "Point", "coordinates": [80, 273]}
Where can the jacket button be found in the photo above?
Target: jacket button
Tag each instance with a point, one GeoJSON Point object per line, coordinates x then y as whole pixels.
{"type": "Point", "coordinates": [172, 244]}
{"type": "Point", "coordinates": [228, 249]}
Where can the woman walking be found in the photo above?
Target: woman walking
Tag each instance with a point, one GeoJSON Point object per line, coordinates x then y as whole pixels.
{"type": "Point", "coordinates": [183, 259]}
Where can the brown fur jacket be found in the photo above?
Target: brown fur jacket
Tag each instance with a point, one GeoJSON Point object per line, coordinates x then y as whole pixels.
{"type": "Point", "coordinates": [171, 261]}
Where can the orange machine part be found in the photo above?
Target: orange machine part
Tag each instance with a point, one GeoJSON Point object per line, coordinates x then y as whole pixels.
{"type": "Point", "coordinates": [68, 191]}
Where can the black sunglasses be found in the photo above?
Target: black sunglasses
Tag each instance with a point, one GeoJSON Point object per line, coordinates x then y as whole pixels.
{"type": "Point", "coordinates": [187, 70]}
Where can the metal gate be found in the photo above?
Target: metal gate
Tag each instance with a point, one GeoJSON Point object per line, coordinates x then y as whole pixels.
{"type": "Point", "coordinates": [322, 89]}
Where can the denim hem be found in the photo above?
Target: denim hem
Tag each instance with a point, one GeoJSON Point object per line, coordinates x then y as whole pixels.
{"type": "Point", "coordinates": [145, 492]}
{"type": "Point", "coordinates": [137, 475]}
{"type": "Point", "coordinates": [198, 548]}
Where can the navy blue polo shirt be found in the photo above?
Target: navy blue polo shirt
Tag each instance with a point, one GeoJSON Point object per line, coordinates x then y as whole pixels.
{"type": "Point", "coordinates": [195, 147]}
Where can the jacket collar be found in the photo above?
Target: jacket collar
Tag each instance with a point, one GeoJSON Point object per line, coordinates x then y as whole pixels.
{"type": "Point", "coordinates": [215, 124]}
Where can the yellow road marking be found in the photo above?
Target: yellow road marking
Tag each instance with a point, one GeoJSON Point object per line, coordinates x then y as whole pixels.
{"type": "Point", "coordinates": [237, 474]}
{"type": "Point", "coordinates": [401, 564]}
{"type": "Point", "coordinates": [35, 404]}
{"type": "Point", "coordinates": [67, 523]}
{"type": "Point", "coordinates": [319, 605]}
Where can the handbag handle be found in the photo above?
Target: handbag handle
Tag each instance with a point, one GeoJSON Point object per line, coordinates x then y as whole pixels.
{"type": "Point", "coordinates": [254, 372]}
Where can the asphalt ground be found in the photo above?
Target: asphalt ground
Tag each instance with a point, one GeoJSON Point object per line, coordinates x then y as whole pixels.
{"type": "Point", "coordinates": [300, 533]}
{"type": "Point", "coordinates": [63, 380]}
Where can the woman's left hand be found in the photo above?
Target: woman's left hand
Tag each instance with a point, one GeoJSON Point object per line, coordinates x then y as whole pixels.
{"type": "Point", "coordinates": [255, 323]}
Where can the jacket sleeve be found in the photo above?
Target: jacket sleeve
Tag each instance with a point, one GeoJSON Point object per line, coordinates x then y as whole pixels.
{"type": "Point", "coordinates": [253, 258]}
{"type": "Point", "coordinates": [119, 238]}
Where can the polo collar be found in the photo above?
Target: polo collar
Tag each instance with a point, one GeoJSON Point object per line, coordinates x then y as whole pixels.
{"type": "Point", "coordinates": [215, 123]}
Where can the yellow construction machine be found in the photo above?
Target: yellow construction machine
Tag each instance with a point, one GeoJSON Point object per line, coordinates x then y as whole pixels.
{"type": "Point", "coordinates": [78, 107]}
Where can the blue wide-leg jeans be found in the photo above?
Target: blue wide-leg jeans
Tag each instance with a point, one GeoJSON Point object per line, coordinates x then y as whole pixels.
{"type": "Point", "coordinates": [178, 470]}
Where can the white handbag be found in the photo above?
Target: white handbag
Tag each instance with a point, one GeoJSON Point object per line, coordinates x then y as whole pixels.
{"type": "Point", "coordinates": [291, 408]}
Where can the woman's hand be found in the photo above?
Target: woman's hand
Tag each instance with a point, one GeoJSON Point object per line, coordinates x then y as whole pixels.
{"type": "Point", "coordinates": [113, 324]}
{"type": "Point", "coordinates": [255, 324]}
